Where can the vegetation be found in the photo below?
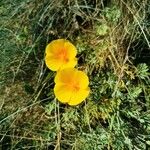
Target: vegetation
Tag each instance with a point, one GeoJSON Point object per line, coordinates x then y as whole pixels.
{"type": "Point", "coordinates": [112, 38]}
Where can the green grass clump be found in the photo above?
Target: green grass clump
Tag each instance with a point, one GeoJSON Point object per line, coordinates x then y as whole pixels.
{"type": "Point", "coordinates": [112, 38]}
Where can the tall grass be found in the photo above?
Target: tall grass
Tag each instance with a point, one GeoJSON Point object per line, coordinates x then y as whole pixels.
{"type": "Point", "coordinates": [112, 38]}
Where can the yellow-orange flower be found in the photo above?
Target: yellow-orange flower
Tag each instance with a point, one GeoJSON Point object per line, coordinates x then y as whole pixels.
{"type": "Point", "coordinates": [60, 54]}
{"type": "Point", "coordinates": [71, 86]}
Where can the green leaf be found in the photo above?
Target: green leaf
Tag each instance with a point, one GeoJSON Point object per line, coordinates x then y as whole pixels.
{"type": "Point", "coordinates": [142, 71]}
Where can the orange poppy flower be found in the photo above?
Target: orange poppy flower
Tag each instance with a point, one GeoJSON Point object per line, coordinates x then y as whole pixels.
{"type": "Point", "coordinates": [60, 54]}
{"type": "Point", "coordinates": [71, 86]}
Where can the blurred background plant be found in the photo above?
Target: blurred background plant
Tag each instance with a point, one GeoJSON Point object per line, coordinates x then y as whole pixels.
{"type": "Point", "coordinates": [112, 38]}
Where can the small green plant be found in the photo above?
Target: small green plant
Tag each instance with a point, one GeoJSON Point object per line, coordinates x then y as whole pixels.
{"type": "Point", "coordinates": [102, 29]}
{"type": "Point", "coordinates": [112, 13]}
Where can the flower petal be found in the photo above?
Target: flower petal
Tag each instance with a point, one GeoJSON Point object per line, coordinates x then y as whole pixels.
{"type": "Point", "coordinates": [62, 93]}
{"type": "Point", "coordinates": [65, 76]}
{"type": "Point", "coordinates": [70, 64]}
{"type": "Point", "coordinates": [53, 46]}
{"type": "Point", "coordinates": [70, 48]}
{"type": "Point", "coordinates": [79, 96]}
{"type": "Point", "coordinates": [52, 63]}
{"type": "Point", "coordinates": [70, 75]}
{"type": "Point", "coordinates": [82, 79]}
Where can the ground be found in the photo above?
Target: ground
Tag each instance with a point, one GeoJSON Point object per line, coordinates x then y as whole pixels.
{"type": "Point", "coordinates": [112, 39]}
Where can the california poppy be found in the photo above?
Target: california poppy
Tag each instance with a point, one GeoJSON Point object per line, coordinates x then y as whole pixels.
{"type": "Point", "coordinates": [60, 54]}
{"type": "Point", "coordinates": [71, 86]}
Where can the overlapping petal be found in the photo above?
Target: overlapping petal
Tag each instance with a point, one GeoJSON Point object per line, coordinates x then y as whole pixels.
{"type": "Point", "coordinates": [79, 96]}
{"type": "Point", "coordinates": [62, 93]}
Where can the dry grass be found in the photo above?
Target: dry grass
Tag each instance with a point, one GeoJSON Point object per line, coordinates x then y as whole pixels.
{"type": "Point", "coordinates": [112, 38]}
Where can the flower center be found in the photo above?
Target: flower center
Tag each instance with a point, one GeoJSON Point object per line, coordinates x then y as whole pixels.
{"type": "Point", "coordinates": [74, 86]}
{"type": "Point", "coordinates": [62, 55]}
